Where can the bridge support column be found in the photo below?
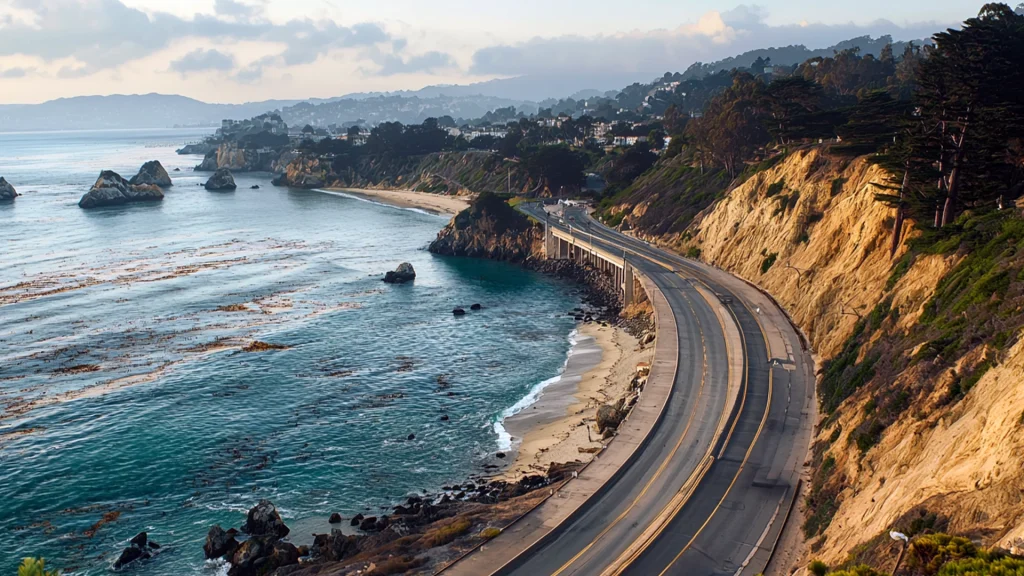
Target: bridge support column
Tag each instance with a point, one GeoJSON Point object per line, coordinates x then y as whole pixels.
{"type": "Point", "coordinates": [550, 243]}
{"type": "Point", "coordinates": [628, 284]}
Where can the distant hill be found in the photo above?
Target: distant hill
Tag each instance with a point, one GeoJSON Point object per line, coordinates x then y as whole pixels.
{"type": "Point", "coordinates": [127, 111]}
{"type": "Point", "coordinates": [532, 88]}
{"type": "Point", "coordinates": [790, 55]}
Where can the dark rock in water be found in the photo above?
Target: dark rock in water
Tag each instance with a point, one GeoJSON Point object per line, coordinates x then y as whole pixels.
{"type": "Point", "coordinates": [262, 555]}
{"type": "Point", "coordinates": [129, 555]}
{"type": "Point", "coordinates": [177, 169]}
{"type": "Point", "coordinates": [140, 540]}
{"type": "Point", "coordinates": [356, 520]}
{"type": "Point", "coordinates": [7, 192]}
{"type": "Point", "coordinates": [111, 189]}
{"type": "Point", "coordinates": [489, 228]}
{"type": "Point", "coordinates": [608, 418]}
{"type": "Point", "coordinates": [221, 180]}
{"type": "Point", "coordinates": [459, 312]}
{"type": "Point", "coordinates": [445, 418]}
{"type": "Point", "coordinates": [220, 542]}
{"type": "Point", "coordinates": [404, 273]}
{"type": "Point", "coordinates": [476, 307]}
{"type": "Point", "coordinates": [254, 187]}
{"type": "Point", "coordinates": [263, 520]}
{"type": "Point", "coordinates": [500, 454]}
{"type": "Point", "coordinates": [152, 173]}
{"type": "Point", "coordinates": [138, 550]}
{"type": "Point", "coordinates": [368, 524]}
{"type": "Point", "coordinates": [334, 519]}
{"type": "Point", "coordinates": [411, 437]}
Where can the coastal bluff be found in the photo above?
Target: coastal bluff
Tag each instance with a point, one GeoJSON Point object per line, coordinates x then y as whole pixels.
{"type": "Point", "coordinates": [111, 189]}
{"type": "Point", "coordinates": [492, 229]}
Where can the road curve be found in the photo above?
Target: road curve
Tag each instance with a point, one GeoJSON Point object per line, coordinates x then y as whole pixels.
{"type": "Point", "coordinates": [709, 490]}
{"type": "Point", "coordinates": [735, 516]}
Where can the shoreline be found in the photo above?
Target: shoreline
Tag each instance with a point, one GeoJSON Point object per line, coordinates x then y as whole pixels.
{"type": "Point", "coordinates": [559, 426]}
{"type": "Point", "coordinates": [439, 204]}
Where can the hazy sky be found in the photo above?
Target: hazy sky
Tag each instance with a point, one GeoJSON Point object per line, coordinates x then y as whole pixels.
{"type": "Point", "coordinates": [246, 50]}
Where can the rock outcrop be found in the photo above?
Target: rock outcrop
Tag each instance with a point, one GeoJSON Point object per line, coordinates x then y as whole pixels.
{"type": "Point", "coordinates": [609, 417]}
{"type": "Point", "coordinates": [220, 542]}
{"type": "Point", "coordinates": [221, 180]}
{"type": "Point", "coordinates": [264, 520]}
{"type": "Point", "coordinates": [404, 273]}
{"type": "Point", "coordinates": [262, 552]}
{"type": "Point", "coordinates": [7, 192]}
{"type": "Point", "coordinates": [111, 189]}
{"type": "Point", "coordinates": [489, 228]}
{"type": "Point", "coordinates": [229, 155]}
{"type": "Point", "coordinates": [305, 171]}
{"type": "Point", "coordinates": [152, 173]}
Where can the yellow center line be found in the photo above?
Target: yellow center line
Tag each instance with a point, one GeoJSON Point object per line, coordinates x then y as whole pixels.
{"type": "Point", "coordinates": [750, 449]}
{"type": "Point", "coordinates": [664, 464]}
{"type": "Point", "coordinates": [676, 507]}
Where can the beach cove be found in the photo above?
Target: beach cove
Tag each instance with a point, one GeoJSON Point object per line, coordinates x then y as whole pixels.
{"type": "Point", "coordinates": [136, 400]}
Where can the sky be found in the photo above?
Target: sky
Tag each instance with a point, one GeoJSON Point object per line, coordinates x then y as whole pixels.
{"type": "Point", "coordinates": [252, 50]}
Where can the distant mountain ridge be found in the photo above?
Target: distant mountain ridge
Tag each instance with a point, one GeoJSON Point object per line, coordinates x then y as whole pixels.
{"type": "Point", "coordinates": [407, 106]}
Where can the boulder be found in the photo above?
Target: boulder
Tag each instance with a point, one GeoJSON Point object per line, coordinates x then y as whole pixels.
{"type": "Point", "coordinates": [368, 524]}
{"type": "Point", "coordinates": [459, 312]}
{"type": "Point", "coordinates": [221, 180]}
{"type": "Point", "coordinates": [140, 548]}
{"type": "Point", "coordinates": [608, 418]}
{"type": "Point", "coordinates": [111, 189]}
{"type": "Point", "coordinates": [404, 273]}
{"type": "Point", "coordinates": [263, 520]}
{"type": "Point", "coordinates": [356, 520]}
{"type": "Point", "coordinates": [476, 307]}
{"type": "Point", "coordinates": [334, 546]}
{"type": "Point", "coordinates": [334, 519]}
{"type": "Point", "coordinates": [262, 555]}
{"type": "Point", "coordinates": [7, 192]}
{"type": "Point", "coordinates": [152, 173]}
{"type": "Point", "coordinates": [220, 542]}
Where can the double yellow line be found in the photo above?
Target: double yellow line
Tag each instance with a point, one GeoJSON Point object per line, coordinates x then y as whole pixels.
{"type": "Point", "coordinates": [664, 464]}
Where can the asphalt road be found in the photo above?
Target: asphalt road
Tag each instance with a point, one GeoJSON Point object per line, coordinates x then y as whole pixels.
{"type": "Point", "coordinates": [729, 523]}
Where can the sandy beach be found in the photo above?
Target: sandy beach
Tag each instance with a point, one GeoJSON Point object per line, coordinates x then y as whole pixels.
{"type": "Point", "coordinates": [559, 427]}
{"type": "Point", "coordinates": [436, 203]}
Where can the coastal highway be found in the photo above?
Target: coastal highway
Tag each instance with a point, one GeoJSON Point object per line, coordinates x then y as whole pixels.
{"type": "Point", "coordinates": [712, 487]}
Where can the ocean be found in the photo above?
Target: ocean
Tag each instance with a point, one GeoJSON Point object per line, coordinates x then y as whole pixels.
{"type": "Point", "coordinates": [127, 403]}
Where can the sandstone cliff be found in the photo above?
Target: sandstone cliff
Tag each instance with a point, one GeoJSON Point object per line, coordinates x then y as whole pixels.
{"type": "Point", "coordinates": [920, 383]}
{"type": "Point", "coordinates": [229, 155]}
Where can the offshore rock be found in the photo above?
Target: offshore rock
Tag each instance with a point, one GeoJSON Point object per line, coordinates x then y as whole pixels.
{"type": "Point", "coordinates": [221, 180]}
{"type": "Point", "coordinates": [111, 189]}
{"type": "Point", "coordinates": [152, 173]}
{"type": "Point", "coordinates": [404, 273]}
{"type": "Point", "coordinates": [220, 542]}
{"type": "Point", "coordinates": [7, 192]}
{"type": "Point", "coordinates": [140, 548]}
{"type": "Point", "coordinates": [263, 520]}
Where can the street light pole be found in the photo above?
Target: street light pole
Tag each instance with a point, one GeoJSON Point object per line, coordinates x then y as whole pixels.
{"type": "Point", "coordinates": [899, 537]}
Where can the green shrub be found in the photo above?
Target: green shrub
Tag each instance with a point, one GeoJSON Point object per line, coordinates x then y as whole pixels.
{"type": "Point", "coordinates": [693, 252]}
{"type": "Point", "coordinates": [1002, 566]}
{"type": "Point", "coordinates": [818, 568]}
{"type": "Point", "coordinates": [35, 567]}
{"type": "Point", "coordinates": [769, 260]}
{"type": "Point", "coordinates": [490, 533]}
{"type": "Point", "coordinates": [859, 570]}
{"type": "Point", "coordinates": [775, 188]}
{"type": "Point", "coordinates": [837, 185]}
{"type": "Point", "coordinates": [446, 534]}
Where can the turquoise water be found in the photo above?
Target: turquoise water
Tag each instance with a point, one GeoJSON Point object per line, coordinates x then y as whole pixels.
{"type": "Point", "coordinates": [124, 391]}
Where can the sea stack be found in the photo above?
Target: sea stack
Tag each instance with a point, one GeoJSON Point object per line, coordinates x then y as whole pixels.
{"type": "Point", "coordinates": [7, 192]}
{"type": "Point", "coordinates": [152, 173]}
{"type": "Point", "coordinates": [404, 273]}
{"type": "Point", "coordinates": [111, 189]}
{"type": "Point", "coordinates": [221, 180]}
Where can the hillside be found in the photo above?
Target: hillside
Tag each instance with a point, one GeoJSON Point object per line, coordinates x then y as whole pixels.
{"type": "Point", "coordinates": [920, 365]}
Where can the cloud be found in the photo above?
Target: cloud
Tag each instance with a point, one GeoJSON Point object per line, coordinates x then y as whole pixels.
{"type": "Point", "coordinates": [16, 72]}
{"type": "Point", "coordinates": [714, 36]}
{"type": "Point", "coordinates": [104, 34]}
{"type": "Point", "coordinates": [200, 60]}
{"type": "Point", "coordinates": [392, 64]}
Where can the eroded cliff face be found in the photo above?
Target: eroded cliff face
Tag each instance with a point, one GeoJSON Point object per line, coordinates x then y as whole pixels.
{"type": "Point", "coordinates": [229, 155]}
{"type": "Point", "coordinates": [922, 416]}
